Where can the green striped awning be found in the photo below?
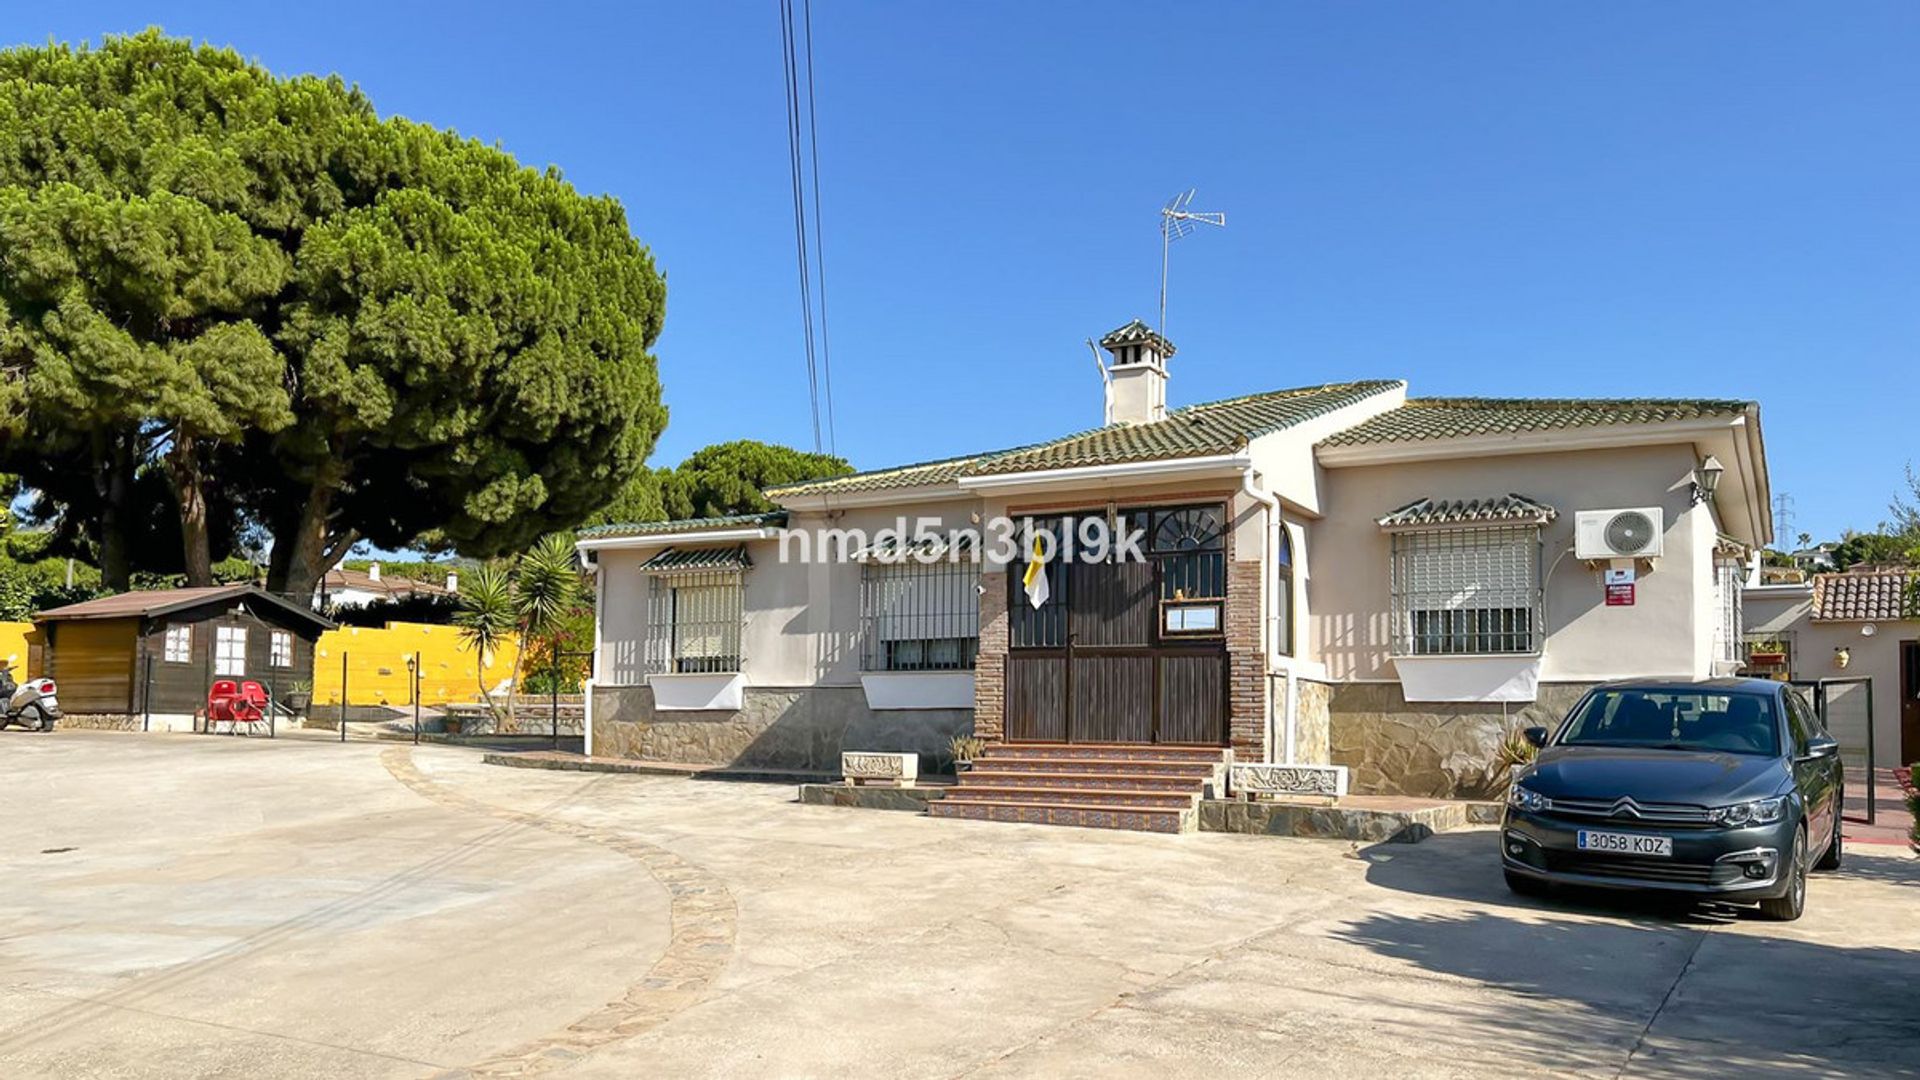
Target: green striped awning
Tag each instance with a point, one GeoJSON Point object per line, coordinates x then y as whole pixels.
{"type": "Point", "coordinates": [675, 560]}
{"type": "Point", "coordinates": [1499, 510]}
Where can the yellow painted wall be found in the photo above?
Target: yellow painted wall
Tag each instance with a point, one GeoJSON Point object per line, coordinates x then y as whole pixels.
{"type": "Point", "coordinates": [376, 661]}
{"type": "Point", "coordinates": [13, 646]}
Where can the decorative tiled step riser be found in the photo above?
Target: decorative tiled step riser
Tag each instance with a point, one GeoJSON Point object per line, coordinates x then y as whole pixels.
{"type": "Point", "coordinates": [1188, 770]}
{"type": "Point", "coordinates": [1161, 821]}
{"type": "Point", "coordinates": [1106, 750]}
{"type": "Point", "coordinates": [1171, 800]}
{"type": "Point", "coordinates": [1090, 781]}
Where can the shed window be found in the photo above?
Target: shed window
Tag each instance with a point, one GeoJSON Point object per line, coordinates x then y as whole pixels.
{"type": "Point", "coordinates": [230, 650]}
{"type": "Point", "coordinates": [693, 623]}
{"type": "Point", "coordinates": [179, 643]}
{"type": "Point", "coordinates": [1466, 591]}
{"type": "Point", "coordinates": [280, 649]}
{"type": "Point", "coordinates": [919, 616]}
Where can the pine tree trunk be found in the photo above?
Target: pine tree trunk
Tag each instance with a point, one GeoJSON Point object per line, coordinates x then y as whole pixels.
{"type": "Point", "coordinates": [304, 545]}
{"type": "Point", "coordinates": [189, 487]}
{"type": "Point", "coordinates": [113, 482]}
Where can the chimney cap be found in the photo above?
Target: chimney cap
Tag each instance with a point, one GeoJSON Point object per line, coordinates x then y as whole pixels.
{"type": "Point", "coordinates": [1138, 332]}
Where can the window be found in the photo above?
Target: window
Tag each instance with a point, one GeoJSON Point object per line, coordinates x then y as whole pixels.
{"type": "Point", "coordinates": [179, 643]}
{"type": "Point", "coordinates": [229, 650]}
{"type": "Point", "coordinates": [1660, 719]}
{"type": "Point", "coordinates": [1466, 591]}
{"type": "Point", "coordinates": [1189, 547]}
{"type": "Point", "coordinates": [693, 623]}
{"type": "Point", "coordinates": [919, 616]}
{"type": "Point", "coordinates": [280, 649]}
{"type": "Point", "coordinates": [1283, 593]}
{"type": "Point", "coordinates": [1727, 631]}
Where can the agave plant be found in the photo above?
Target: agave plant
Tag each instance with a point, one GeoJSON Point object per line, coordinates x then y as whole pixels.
{"type": "Point", "coordinates": [1514, 750]}
{"type": "Point", "coordinates": [488, 618]}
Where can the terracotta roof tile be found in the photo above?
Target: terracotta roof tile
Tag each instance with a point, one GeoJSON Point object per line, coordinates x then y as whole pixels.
{"type": "Point", "coordinates": [771, 520]}
{"type": "Point", "coordinates": [1499, 510]}
{"type": "Point", "coordinates": [1879, 596]}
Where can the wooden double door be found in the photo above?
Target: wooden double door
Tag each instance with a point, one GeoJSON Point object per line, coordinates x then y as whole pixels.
{"type": "Point", "coordinates": [1098, 663]}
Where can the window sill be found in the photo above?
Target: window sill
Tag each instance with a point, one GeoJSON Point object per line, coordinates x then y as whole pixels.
{"type": "Point", "coordinates": [1470, 677]}
{"type": "Point", "coordinates": [918, 689]}
{"type": "Point", "coordinates": [722, 692]}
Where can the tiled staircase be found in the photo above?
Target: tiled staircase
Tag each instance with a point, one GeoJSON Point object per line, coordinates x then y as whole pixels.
{"type": "Point", "coordinates": [1095, 785]}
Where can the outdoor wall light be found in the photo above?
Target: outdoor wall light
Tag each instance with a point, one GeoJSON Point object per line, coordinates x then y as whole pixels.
{"type": "Point", "coordinates": [1842, 656]}
{"type": "Point", "coordinates": [1706, 479]}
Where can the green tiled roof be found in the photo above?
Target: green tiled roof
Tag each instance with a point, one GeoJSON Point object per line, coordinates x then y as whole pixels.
{"type": "Point", "coordinates": [686, 525]}
{"type": "Point", "coordinates": [675, 560]}
{"type": "Point", "coordinates": [1453, 418]}
{"type": "Point", "coordinates": [926, 472]}
{"type": "Point", "coordinates": [1217, 427]}
{"type": "Point", "coordinates": [1500, 510]}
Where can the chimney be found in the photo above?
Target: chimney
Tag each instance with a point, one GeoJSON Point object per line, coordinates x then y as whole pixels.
{"type": "Point", "coordinates": [373, 571]}
{"type": "Point", "coordinates": [1138, 373]}
{"type": "Point", "coordinates": [453, 581]}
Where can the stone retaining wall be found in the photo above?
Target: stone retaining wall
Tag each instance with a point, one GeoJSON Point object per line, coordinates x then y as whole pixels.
{"type": "Point", "coordinates": [530, 718]}
{"type": "Point", "coordinates": [801, 729]}
{"type": "Point", "coordinates": [100, 721]}
{"type": "Point", "coordinates": [1441, 750]}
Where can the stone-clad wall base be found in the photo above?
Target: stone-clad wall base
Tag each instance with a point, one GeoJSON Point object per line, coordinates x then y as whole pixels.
{"type": "Point", "coordinates": [1337, 822]}
{"type": "Point", "coordinates": [802, 729]}
{"type": "Point", "coordinates": [100, 721]}
{"type": "Point", "coordinates": [1312, 737]}
{"type": "Point", "coordinates": [1442, 750]}
{"type": "Point", "coordinates": [871, 798]}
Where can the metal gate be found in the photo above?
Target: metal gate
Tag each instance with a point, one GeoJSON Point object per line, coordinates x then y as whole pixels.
{"type": "Point", "coordinates": [1109, 656]}
{"type": "Point", "coordinates": [1845, 710]}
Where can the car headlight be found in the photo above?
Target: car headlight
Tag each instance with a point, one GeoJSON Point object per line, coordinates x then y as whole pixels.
{"type": "Point", "coordinates": [1522, 797]}
{"type": "Point", "coordinates": [1757, 812]}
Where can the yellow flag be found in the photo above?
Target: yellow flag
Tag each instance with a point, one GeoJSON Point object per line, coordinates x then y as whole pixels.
{"type": "Point", "coordinates": [1036, 577]}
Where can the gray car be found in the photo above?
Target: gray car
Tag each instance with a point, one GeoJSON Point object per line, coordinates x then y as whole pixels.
{"type": "Point", "coordinates": [1726, 788]}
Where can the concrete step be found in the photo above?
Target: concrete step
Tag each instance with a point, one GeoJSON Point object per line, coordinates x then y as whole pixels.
{"type": "Point", "coordinates": [1067, 796]}
{"type": "Point", "coordinates": [1044, 775]}
{"type": "Point", "coordinates": [1099, 765]}
{"type": "Point", "coordinates": [1136, 818]}
{"type": "Point", "coordinates": [1105, 751]}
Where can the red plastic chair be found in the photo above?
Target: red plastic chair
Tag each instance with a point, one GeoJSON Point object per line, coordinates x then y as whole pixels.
{"type": "Point", "coordinates": [234, 704]}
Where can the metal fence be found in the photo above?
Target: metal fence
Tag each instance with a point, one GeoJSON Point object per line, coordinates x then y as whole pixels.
{"type": "Point", "coordinates": [1465, 591]}
{"type": "Point", "coordinates": [1845, 709]}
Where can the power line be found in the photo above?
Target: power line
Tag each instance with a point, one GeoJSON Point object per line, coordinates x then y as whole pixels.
{"type": "Point", "coordinates": [803, 154]}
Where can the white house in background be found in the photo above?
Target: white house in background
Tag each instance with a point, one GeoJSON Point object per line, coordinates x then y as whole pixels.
{"type": "Point", "coordinates": [342, 587]}
{"type": "Point", "coordinates": [1334, 575]}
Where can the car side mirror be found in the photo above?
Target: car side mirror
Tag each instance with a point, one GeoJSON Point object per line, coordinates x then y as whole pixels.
{"type": "Point", "coordinates": [1537, 736]}
{"type": "Point", "coordinates": [1820, 746]}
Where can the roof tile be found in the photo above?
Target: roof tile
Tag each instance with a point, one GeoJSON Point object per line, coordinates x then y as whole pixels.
{"type": "Point", "coordinates": [1452, 418]}
{"type": "Point", "coordinates": [1500, 510]}
{"type": "Point", "coordinates": [1878, 596]}
{"type": "Point", "coordinates": [770, 520]}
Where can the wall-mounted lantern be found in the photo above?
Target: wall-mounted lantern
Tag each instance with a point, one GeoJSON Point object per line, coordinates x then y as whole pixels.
{"type": "Point", "coordinates": [1842, 656]}
{"type": "Point", "coordinates": [1706, 479]}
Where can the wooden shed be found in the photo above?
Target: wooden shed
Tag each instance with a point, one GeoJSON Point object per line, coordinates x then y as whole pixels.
{"type": "Point", "coordinates": [152, 655]}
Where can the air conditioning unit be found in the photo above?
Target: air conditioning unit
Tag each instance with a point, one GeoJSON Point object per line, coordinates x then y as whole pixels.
{"type": "Point", "coordinates": [1634, 533]}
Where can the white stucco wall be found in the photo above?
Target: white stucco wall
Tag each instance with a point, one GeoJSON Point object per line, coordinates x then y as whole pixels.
{"type": "Point", "coordinates": [1668, 630]}
{"type": "Point", "coordinates": [1876, 656]}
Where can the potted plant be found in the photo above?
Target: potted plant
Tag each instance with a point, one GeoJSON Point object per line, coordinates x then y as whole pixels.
{"type": "Point", "coordinates": [1515, 753]}
{"type": "Point", "coordinates": [962, 749]}
{"type": "Point", "coordinates": [1767, 652]}
{"type": "Point", "coordinates": [299, 697]}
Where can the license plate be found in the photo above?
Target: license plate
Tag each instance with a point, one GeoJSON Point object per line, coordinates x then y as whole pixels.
{"type": "Point", "coordinates": [50, 702]}
{"type": "Point", "coordinates": [1625, 843]}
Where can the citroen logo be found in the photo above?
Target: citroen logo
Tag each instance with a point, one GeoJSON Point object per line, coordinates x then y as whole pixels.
{"type": "Point", "coordinates": [1626, 808]}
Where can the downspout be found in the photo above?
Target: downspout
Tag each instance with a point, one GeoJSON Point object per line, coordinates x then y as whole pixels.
{"type": "Point", "coordinates": [590, 561]}
{"type": "Point", "coordinates": [1269, 598]}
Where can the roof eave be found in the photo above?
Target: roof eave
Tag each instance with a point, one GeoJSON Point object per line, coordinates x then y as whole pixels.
{"type": "Point", "coordinates": [644, 541]}
{"type": "Point", "coordinates": [1594, 438]}
{"type": "Point", "coordinates": [1083, 475]}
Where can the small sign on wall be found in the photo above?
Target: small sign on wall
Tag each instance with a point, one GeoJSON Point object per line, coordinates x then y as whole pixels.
{"type": "Point", "coordinates": [1620, 595]}
{"type": "Point", "coordinates": [1621, 575]}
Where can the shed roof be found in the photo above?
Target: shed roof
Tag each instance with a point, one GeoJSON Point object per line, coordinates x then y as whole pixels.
{"type": "Point", "coordinates": [151, 602]}
{"type": "Point", "coordinates": [1878, 596]}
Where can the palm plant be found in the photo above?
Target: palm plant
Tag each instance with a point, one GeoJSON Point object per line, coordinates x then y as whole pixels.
{"type": "Point", "coordinates": [544, 587]}
{"type": "Point", "coordinates": [488, 618]}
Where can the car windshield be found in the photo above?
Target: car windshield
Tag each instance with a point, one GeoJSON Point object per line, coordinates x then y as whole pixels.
{"type": "Point", "coordinates": [1676, 720]}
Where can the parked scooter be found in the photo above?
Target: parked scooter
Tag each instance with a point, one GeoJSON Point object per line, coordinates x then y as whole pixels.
{"type": "Point", "coordinates": [32, 704]}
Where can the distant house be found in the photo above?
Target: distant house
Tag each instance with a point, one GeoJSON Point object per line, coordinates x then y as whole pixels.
{"type": "Point", "coordinates": [1816, 559]}
{"type": "Point", "coordinates": [147, 658]}
{"type": "Point", "coordinates": [1851, 625]}
{"type": "Point", "coordinates": [1335, 576]}
{"type": "Point", "coordinates": [342, 587]}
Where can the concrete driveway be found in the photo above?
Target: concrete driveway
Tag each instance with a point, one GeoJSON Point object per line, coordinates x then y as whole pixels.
{"type": "Point", "coordinates": [193, 906]}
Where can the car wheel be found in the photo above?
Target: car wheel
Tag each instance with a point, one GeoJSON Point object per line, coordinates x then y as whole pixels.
{"type": "Point", "coordinates": [1522, 885]}
{"type": "Point", "coordinates": [1790, 905]}
{"type": "Point", "coordinates": [1830, 859]}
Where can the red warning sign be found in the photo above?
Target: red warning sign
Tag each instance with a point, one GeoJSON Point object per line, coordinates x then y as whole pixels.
{"type": "Point", "coordinates": [1620, 595]}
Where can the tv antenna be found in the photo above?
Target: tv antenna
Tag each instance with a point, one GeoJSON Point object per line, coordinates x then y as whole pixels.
{"type": "Point", "coordinates": [1177, 221]}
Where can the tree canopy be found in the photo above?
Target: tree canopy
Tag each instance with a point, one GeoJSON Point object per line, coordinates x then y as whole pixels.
{"type": "Point", "coordinates": [714, 481]}
{"type": "Point", "coordinates": [341, 326]}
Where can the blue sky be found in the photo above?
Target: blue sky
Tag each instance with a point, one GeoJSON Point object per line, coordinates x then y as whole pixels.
{"type": "Point", "coordinates": [1630, 199]}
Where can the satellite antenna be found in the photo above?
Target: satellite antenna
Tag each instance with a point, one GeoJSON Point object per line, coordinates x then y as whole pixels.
{"type": "Point", "coordinates": [1177, 221]}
